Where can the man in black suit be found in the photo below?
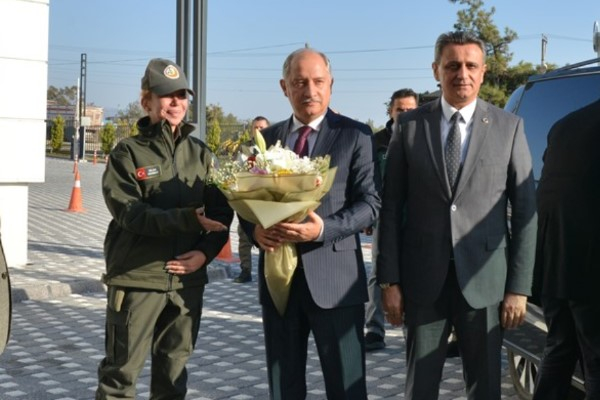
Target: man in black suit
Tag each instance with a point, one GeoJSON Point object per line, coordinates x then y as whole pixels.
{"type": "Point", "coordinates": [568, 254]}
{"type": "Point", "coordinates": [447, 259]}
{"type": "Point", "coordinates": [401, 101]}
{"type": "Point", "coordinates": [328, 289]}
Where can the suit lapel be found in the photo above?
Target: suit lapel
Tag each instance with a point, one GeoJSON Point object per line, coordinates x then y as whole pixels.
{"type": "Point", "coordinates": [434, 142]}
{"type": "Point", "coordinates": [479, 133]}
{"type": "Point", "coordinates": [327, 136]}
{"type": "Point", "coordinates": [280, 134]}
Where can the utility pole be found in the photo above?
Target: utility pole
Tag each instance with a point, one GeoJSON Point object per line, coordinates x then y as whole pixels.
{"type": "Point", "coordinates": [182, 57]}
{"type": "Point", "coordinates": [76, 121]}
{"type": "Point", "coordinates": [82, 102]}
{"type": "Point", "coordinates": [543, 66]}
{"type": "Point", "coordinates": [199, 64]}
{"type": "Point", "coordinates": [197, 54]}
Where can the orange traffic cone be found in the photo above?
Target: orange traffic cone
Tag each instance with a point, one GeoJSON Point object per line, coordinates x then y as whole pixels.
{"type": "Point", "coordinates": [225, 253]}
{"type": "Point", "coordinates": [75, 205]}
{"type": "Point", "coordinates": [95, 156]}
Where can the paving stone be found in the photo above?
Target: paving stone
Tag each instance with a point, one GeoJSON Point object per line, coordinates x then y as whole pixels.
{"type": "Point", "coordinates": [57, 337]}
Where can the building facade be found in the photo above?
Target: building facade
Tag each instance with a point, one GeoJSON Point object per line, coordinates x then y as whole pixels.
{"type": "Point", "coordinates": [24, 80]}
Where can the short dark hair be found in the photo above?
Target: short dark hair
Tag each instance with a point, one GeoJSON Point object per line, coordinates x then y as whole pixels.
{"type": "Point", "coordinates": [261, 118]}
{"type": "Point", "coordinates": [402, 93]}
{"type": "Point", "coordinates": [456, 37]}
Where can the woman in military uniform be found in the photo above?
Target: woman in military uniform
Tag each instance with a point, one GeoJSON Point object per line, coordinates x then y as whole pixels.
{"type": "Point", "coordinates": [167, 226]}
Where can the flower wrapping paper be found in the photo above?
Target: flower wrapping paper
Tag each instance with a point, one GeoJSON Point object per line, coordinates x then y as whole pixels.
{"type": "Point", "coordinates": [269, 199]}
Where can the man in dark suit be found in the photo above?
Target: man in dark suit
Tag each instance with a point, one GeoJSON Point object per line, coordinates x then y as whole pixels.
{"type": "Point", "coordinates": [568, 254]}
{"type": "Point", "coordinates": [447, 257]}
{"type": "Point", "coordinates": [328, 289]}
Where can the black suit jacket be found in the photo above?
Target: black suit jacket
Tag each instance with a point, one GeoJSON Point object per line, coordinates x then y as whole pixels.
{"type": "Point", "coordinates": [334, 268]}
{"type": "Point", "coordinates": [568, 251]}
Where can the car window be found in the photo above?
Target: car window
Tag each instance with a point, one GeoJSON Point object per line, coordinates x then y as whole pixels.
{"type": "Point", "coordinates": [545, 101]}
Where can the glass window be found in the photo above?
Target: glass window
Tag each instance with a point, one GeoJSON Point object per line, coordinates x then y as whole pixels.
{"type": "Point", "coordinates": [546, 101]}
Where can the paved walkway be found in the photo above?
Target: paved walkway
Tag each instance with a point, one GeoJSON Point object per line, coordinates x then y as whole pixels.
{"type": "Point", "coordinates": [58, 315]}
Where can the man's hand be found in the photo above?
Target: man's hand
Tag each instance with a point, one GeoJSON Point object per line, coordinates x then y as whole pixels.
{"type": "Point", "coordinates": [186, 263]}
{"type": "Point", "coordinates": [267, 239]}
{"type": "Point", "coordinates": [513, 311]}
{"type": "Point", "coordinates": [209, 225]}
{"type": "Point", "coordinates": [393, 305]}
{"type": "Point", "coordinates": [305, 231]}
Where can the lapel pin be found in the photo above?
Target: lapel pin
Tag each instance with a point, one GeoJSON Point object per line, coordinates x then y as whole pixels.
{"type": "Point", "coordinates": [485, 120]}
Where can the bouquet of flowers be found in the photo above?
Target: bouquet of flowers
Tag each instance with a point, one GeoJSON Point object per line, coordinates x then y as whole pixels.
{"type": "Point", "coordinates": [270, 186]}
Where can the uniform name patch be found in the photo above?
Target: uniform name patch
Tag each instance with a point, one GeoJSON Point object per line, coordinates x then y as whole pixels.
{"type": "Point", "coordinates": [144, 173]}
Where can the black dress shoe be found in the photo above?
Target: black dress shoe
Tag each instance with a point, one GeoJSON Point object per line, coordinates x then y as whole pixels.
{"type": "Point", "coordinates": [374, 341]}
{"type": "Point", "coordinates": [243, 277]}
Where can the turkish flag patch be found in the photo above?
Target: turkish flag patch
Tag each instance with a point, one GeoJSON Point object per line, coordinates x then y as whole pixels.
{"type": "Point", "coordinates": [143, 173]}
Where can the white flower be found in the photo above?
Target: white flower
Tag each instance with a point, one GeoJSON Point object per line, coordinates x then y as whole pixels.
{"type": "Point", "coordinates": [275, 161]}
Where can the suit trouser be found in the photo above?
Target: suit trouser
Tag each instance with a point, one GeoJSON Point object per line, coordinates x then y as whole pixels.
{"type": "Point", "coordinates": [573, 330]}
{"type": "Point", "coordinates": [375, 321]}
{"type": "Point", "coordinates": [139, 321]}
{"type": "Point", "coordinates": [338, 335]}
{"type": "Point", "coordinates": [479, 340]}
{"type": "Point", "coordinates": [244, 249]}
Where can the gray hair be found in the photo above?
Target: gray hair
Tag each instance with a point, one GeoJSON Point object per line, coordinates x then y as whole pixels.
{"type": "Point", "coordinates": [287, 64]}
{"type": "Point", "coordinates": [456, 37]}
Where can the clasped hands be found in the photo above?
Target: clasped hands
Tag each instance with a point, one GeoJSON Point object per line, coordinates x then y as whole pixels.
{"type": "Point", "coordinates": [289, 232]}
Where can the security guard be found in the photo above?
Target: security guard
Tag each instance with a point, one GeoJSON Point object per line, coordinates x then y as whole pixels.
{"type": "Point", "coordinates": [167, 226]}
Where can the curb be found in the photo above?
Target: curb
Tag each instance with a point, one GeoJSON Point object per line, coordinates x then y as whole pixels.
{"type": "Point", "coordinates": [54, 290]}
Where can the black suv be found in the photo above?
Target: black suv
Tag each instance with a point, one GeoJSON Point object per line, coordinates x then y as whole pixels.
{"type": "Point", "coordinates": [542, 101]}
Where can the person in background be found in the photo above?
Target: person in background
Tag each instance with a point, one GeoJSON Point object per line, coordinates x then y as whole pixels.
{"type": "Point", "coordinates": [402, 100]}
{"type": "Point", "coordinates": [446, 256]}
{"type": "Point", "coordinates": [245, 244]}
{"type": "Point", "coordinates": [166, 226]}
{"type": "Point", "coordinates": [329, 286]}
{"type": "Point", "coordinates": [568, 254]}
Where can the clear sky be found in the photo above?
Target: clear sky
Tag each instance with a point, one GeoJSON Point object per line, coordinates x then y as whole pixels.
{"type": "Point", "coordinates": [375, 46]}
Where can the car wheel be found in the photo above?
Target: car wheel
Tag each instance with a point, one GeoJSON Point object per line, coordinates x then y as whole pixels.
{"type": "Point", "coordinates": [523, 372]}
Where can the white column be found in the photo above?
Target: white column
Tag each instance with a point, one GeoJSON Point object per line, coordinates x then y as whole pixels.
{"type": "Point", "coordinates": [24, 81]}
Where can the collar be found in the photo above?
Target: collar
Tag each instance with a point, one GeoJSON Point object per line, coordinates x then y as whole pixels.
{"type": "Point", "coordinates": [146, 128]}
{"type": "Point", "coordinates": [315, 124]}
{"type": "Point", "coordinates": [466, 112]}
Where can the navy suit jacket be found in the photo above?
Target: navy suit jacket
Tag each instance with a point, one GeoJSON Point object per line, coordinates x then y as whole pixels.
{"type": "Point", "coordinates": [334, 267]}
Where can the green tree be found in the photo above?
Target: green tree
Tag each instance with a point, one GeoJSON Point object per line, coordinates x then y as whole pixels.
{"type": "Point", "coordinates": [62, 96]}
{"type": "Point", "coordinates": [213, 135]}
{"type": "Point", "coordinates": [245, 136]}
{"type": "Point", "coordinates": [127, 118]}
{"type": "Point", "coordinates": [475, 18]}
{"type": "Point", "coordinates": [126, 127]}
{"type": "Point", "coordinates": [374, 128]}
{"type": "Point", "coordinates": [231, 126]}
{"type": "Point", "coordinates": [214, 112]}
{"type": "Point", "coordinates": [57, 133]}
{"type": "Point", "coordinates": [108, 137]}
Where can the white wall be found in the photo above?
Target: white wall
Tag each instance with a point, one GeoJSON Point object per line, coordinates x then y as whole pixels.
{"type": "Point", "coordinates": [23, 83]}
